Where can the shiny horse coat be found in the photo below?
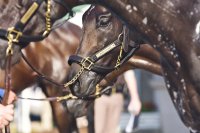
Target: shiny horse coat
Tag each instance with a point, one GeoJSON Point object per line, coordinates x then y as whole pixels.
{"type": "Point", "coordinates": [172, 28]}
{"type": "Point", "coordinates": [50, 58]}
{"type": "Point", "coordinates": [17, 8]}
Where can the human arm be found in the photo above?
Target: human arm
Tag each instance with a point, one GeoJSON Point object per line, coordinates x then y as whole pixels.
{"type": "Point", "coordinates": [135, 103]}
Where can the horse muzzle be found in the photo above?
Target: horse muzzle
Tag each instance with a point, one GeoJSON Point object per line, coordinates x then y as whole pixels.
{"type": "Point", "coordinates": [77, 107]}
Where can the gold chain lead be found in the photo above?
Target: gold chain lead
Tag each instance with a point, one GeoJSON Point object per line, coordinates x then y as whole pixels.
{"type": "Point", "coordinates": [48, 18]}
{"type": "Point", "coordinates": [75, 77]}
{"type": "Point", "coordinates": [9, 50]}
{"type": "Point", "coordinates": [119, 57]}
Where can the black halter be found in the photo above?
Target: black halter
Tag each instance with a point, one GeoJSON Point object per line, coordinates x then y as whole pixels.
{"type": "Point", "coordinates": [89, 62]}
{"type": "Point", "coordinates": [17, 30]}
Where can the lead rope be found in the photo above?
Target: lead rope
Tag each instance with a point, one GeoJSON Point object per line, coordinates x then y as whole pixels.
{"type": "Point", "coordinates": [119, 58]}
{"type": "Point", "coordinates": [99, 91]}
{"type": "Point", "coordinates": [9, 53]}
{"type": "Point", "coordinates": [7, 86]}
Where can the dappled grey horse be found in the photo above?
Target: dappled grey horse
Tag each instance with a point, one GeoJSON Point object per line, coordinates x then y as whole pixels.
{"type": "Point", "coordinates": [172, 28]}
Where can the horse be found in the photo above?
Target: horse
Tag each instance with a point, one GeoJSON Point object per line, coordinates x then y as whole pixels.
{"type": "Point", "coordinates": [21, 6]}
{"type": "Point", "coordinates": [31, 20]}
{"type": "Point", "coordinates": [50, 58]}
{"type": "Point", "coordinates": [159, 23]}
{"type": "Point", "coordinates": [41, 49]}
{"type": "Point", "coordinates": [88, 80]}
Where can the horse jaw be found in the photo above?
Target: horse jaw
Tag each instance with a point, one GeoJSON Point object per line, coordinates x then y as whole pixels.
{"type": "Point", "coordinates": [15, 57]}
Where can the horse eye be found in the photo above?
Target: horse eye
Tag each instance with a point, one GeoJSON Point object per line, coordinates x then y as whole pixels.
{"type": "Point", "coordinates": [103, 22]}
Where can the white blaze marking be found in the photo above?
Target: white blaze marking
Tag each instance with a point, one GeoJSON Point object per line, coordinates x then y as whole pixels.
{"type": "Point", "coordinates": [192, 130]}
{"type": "Point", "coordinates": [197, 28]}
{"type": "Point", "coordinates": [175, 94]}
{"type": "Point", "coordinates": [128, 7]}
{"type": "Point", "coordinates": [159, 37]}
{"type": "Point", "coordinates": [135, 8]}
{"type": "Point", "coordinates": [168, 86]}
{"type": "Point", "coordinates": [178, 63]}
{"type": "Point", "coordinates": [144, 21]}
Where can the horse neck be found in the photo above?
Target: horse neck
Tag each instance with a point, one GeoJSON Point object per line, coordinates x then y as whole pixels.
{"type": "Point", "coordinates": [150, 17]}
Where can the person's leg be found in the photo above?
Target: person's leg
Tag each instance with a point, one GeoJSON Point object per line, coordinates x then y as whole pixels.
{"type": "Point", "coordinates": [100, 114]}
{"type": "Point", "coordinates": [114, 112]}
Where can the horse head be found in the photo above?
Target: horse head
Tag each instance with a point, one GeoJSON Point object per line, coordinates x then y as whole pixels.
{"type": "Point", "coordinates": [26, 21]}
{"type": "Point", "coordinates": [104, 47]}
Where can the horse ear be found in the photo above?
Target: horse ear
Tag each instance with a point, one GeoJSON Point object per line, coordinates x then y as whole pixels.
{"type": "Point", "coordinates": [126, 39]}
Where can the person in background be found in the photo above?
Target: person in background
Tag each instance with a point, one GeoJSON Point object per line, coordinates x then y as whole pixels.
{"type": "Point", "coordinates": [135, 105]}
{"type": "Point", "coordinates": [7, 112]}
{"type": "Point", "coordinates": [108, 108]}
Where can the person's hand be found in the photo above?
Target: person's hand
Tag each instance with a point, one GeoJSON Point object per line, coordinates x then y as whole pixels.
{"type": "Point", "coordinates": [6, 115]}
{"type": "Point", "coordinates": [135, 106]}
{"type": "Point", "coordinates": [12, 97]}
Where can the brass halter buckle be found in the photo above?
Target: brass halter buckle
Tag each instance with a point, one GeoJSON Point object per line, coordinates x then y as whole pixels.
{"type": "Point", "coordinates": [13, 35]}
{"type": "Point", "coordinates": [66, 97]}
{"type": "Point", "coordinates": [87, 63]}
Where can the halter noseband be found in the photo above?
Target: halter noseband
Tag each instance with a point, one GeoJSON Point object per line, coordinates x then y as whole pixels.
{"type": "Point", "coordinates": [88, 63]}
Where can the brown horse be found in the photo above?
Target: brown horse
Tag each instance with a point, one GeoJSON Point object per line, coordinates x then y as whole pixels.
{"type": "Point", "coordinates": [21, 7]}
{"type": "Point", "coordinates": [96, 36]}
{"type": "Point", "coordinates": [50, 58]}
{"type": "Point", "coordinates": [31, 28]}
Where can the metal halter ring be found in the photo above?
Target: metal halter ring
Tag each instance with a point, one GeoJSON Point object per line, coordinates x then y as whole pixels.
{"type": "Point", "coordinates": [13, 35]}
{"type": "Point", "coordinates": [87, 63]}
